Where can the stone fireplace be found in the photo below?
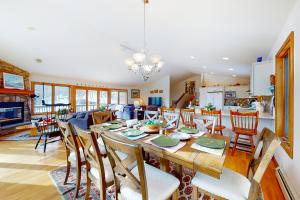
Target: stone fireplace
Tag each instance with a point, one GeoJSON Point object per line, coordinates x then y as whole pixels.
{"type": "Point", "coordinates": [15, 106]}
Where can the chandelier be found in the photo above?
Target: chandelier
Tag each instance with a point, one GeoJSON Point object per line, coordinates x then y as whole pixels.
{"type": "Point", "coordinates": [142, 63]}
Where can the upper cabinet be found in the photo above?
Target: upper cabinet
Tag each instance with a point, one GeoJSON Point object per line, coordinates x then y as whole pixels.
{"type": "Point", "coordinates": [242, 91]}
{"type": "Point", "coordinates": [260, 78]}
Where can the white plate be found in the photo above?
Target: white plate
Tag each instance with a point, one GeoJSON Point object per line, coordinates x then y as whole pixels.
{"type": "Point", "coordinates": [180, 136]}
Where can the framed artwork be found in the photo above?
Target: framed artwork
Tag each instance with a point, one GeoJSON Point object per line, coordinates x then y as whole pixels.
{"type": "Point", "coordinates": [13, 81]}
{"type": "Point", "coordinates": [151, 91]}
{"type": "Point", "coordinates": [161, 91]}
{"type": "Point", "coordinates": [135, 93]}
{"type": "Point", "coordinates": [155, 91]}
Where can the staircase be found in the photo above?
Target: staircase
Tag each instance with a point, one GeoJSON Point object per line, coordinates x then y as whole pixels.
{"type": "Point", "coordinates": [187, 96]}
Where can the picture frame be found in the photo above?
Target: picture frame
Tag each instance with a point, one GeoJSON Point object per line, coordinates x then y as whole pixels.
{"type": "Point", "coordinates": [155, 91]}
{"type": "Point", "coordinates": [161, 91]}
{"type": "Point", "coordinates": [13, 81]}
{"type": "Point", "coordinates": [135, 93]}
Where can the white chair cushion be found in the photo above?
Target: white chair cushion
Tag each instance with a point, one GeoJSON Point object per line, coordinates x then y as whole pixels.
{"type": "Point", "coordinates": [231, 185]}
{"type": "Point", "coordinates": [72, 156]}
{"type": "Point", "coordinates": [161, 185]}
{"type": "Point", "coordinates": [108, 171]}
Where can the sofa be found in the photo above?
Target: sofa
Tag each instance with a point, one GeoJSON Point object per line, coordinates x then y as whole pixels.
{"type": "Point", "coordinates": [82, 120]}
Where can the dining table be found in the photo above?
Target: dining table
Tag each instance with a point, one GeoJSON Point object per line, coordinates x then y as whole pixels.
{"type": "Point", "coordinates": [188, 157]}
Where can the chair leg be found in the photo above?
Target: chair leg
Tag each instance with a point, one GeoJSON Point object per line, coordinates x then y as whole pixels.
{"type": "Point", "coordinates": [195, 193]}
{"type": "Point", "coordinates": [175, 195]}
{"type": "Point", "coordinates": [221, 132]}
{"type": "Point", "coordinates": [88, 187]}
{"type": "Point", "coordinates": [68, 172]}
{"type": "Point", "coordinates": [235, 143]}
{"type": "Point", "coordinates": [45, 142]}
{"type": "Point", "coordinates": [178, 170]}
{"type": "Point", "coordinates": [37, 143]}
{"type": "Point", "coordinates": [78, 172]}
{"type": "Point", "coordinates": [251, 143]}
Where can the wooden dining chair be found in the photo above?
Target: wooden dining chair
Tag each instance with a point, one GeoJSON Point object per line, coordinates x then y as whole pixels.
{"type": "Point", "coordinates": [101, 117]}
{"type": "Point", "coordinates": [218, 114]}
{"type": "Point", "coordinates": [150, 115]}
{"type": "Point", "coordinates": [135, 179]}
{"type": "Point", "coordinates": [167, 110]}
{"type": "Point", "coordinates": [187, 117]}
{"type": "Point", "coordinates": [171, 119]}
{"type": "Point", "coordinates": [74, 152]}
{"type": "Point", "coordinates": [233, 185]}
{"type": "Point", "coordinates": [204, 121]}
{"type": "Point", "coordinates": [98, 169]}
{"type": "Point", "coordinates": [244, 124]}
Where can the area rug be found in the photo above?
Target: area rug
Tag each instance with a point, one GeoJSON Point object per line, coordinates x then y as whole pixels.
{"type": "Point", "coordinates": [67, 191]}
{"type": "Point", "coordinates": [24, 136]}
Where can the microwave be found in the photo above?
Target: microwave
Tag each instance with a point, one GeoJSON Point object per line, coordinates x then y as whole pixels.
{"type": "Point", "coordinates": [230, 94]}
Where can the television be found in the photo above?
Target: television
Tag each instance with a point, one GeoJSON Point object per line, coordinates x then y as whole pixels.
{"type": "Point", "coordinates": [155, 101]}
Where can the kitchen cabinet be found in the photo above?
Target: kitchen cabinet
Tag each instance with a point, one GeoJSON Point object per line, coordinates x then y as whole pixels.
{"type": "Point", "coordinates": [260, 78]}
{"type": "Point", "coordinates": [242, 91]}
{"type": "Point", "coordinates": [213, 95]}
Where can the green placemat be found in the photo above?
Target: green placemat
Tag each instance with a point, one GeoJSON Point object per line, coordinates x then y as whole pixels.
{"type": "Point", "coordinates": [165, 141]}
{"type": "Point", "coordinates": [132, 132]}
{"type": "Point", "coordinates": [188, 130]}
{"type": "Point", "coordinates": [210, 142]}
{"type": "Point", "coordinates": [115, 122]}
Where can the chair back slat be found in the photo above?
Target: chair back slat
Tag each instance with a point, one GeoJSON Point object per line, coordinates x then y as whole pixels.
{"type": "Point", "coordinates": [68, 136]}
{"type": "Point", "coordinates": [215, 113]}
{"type": "Point", "coordinates": [187, 116]}
{"type": "Point", "coordinates": [268, 142]}
{"type": "Point", "coordinates": [151, 115]}
{"type": "Point", "coordinates": [171, 119]}
{"type": "Point", "coordinates": [204, 121]}
{"type": "Point", "coordinates": [167, 110]}
{"type": "Point", "coordinates": [93, 157]}
{"type": "Point", "coordinates": [101, 117]}
{"type": "Point", "coordinates": [247, 121]}
{"type": "Point", "coordinates": [122, 168]}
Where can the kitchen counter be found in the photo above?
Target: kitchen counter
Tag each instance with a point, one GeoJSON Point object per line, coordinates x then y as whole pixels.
{"type": "Point", "coordinates": [264, 115]}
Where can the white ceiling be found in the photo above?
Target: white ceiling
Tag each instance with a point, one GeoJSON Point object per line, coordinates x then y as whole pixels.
{"type": "Point", "coordinates": [81, 38]}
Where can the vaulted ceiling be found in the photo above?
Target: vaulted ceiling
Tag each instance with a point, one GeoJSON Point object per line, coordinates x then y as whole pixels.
{"type": "Point", "coordinates": [81, 38]}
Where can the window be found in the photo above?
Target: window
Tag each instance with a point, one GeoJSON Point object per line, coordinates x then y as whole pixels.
{"type": "Point", "coordinates": [43, 93]}
{"type": "Point", "coordinates": [284, 94]}
{"type": "Point", "coordinates": [92, 99]}
{"type": "Point", "coordinates": [118, 97]}
{"type": "Point", "coordinates": [80, 100]}
{"type": "Point", "coordinates": [114, 97]}
{"type": "Point", "coordinates": [61, 95]}
{"type": "Point", "coordinates": [103, 98]}
{"type": "Point", "coordinates": [122, 97]}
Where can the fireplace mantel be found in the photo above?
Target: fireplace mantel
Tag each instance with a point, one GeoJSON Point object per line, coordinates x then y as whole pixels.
{"type": "Point", "coordinates": [16, 91]}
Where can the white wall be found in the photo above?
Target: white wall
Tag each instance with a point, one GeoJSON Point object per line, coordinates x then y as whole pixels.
{"type": "Point", "coordinates": [80, 82]}
{"type": "Point", "coordinates": [161, 84]}
{"type": "Point", "coordinates": [291, 166]}
{"type": "Point", "coordinates": [224, 80]}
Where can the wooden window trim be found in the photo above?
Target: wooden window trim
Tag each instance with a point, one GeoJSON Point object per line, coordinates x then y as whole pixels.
{"type": "Point", "coordinates": [287, 48]}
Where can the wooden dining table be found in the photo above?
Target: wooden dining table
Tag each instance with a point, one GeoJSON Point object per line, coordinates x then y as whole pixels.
{"type": "Point", "coordinates": [186, 156]}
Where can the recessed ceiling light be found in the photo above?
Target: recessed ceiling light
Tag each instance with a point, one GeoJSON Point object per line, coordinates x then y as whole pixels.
{"type": "Point", "coordinates": [192, 57]}
{"type": "Point", "coordinates": [225, 58]}
{"type": "Point", "coordinates": [234, 75]}
{"type": "Point", "coordinates": [231, 69]}
{"type": "Point", "coordinates": [204, 67]}
{"type": "Point", "coordinates": [38, 60]}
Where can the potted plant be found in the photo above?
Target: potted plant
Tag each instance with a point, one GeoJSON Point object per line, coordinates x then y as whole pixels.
{"type": "Point", "coordinates": [210, 107]}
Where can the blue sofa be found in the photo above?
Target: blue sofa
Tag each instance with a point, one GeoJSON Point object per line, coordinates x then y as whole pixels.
{"type": "Point", "coordinates": [128, 111]}
{"type": "Point", "coordinates": [82, 120]}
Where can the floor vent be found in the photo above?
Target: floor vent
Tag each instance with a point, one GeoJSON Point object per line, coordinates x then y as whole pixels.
{"type": "Point", "coordinates": [285, 186]}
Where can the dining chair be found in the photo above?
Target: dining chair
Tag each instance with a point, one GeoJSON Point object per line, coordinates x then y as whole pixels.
{"type": "Point", "coordinates": [167, 110]}
{"type": "Point", "coordinates": [171, 119]}
{"type": "Point", "coordinates": [233, 185]}
{"type": "Point", "coordinates": [150, 115]}
{"type": "Point", "coordinates": [98, 169]}
{"type": "Point", "coordinates": [101, 117]}
{"type": "Point", "coordinates": [187, 117]}
{"type": "Point", "coordinates": [244, 124]}
{"type": "Point", "coordinates": [218, 114]}
{"type": "Point", "coordinates": [74, 152]}
{"type": "Point", "coordinates": [204, 121]}
{"type": "Point", "coordinates": [135, 179]}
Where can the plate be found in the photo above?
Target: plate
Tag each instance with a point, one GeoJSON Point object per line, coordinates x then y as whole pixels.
{"type": "Point", "coordinates": [210, 142]}
{"type": "Point", "coordinates": [132, 132]}
{"type": "Point", "coordinates": [113, 126]}
{"type": "Point", "coordinates": [180, 136]}
{"type": "Point", "coordinates": [188, 130]}
{"type": "Point", "coordinates": [165, 141]}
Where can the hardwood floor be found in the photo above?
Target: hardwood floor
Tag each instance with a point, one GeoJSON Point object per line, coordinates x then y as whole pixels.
{"type": "Point", "coordinates": [24, 171]}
